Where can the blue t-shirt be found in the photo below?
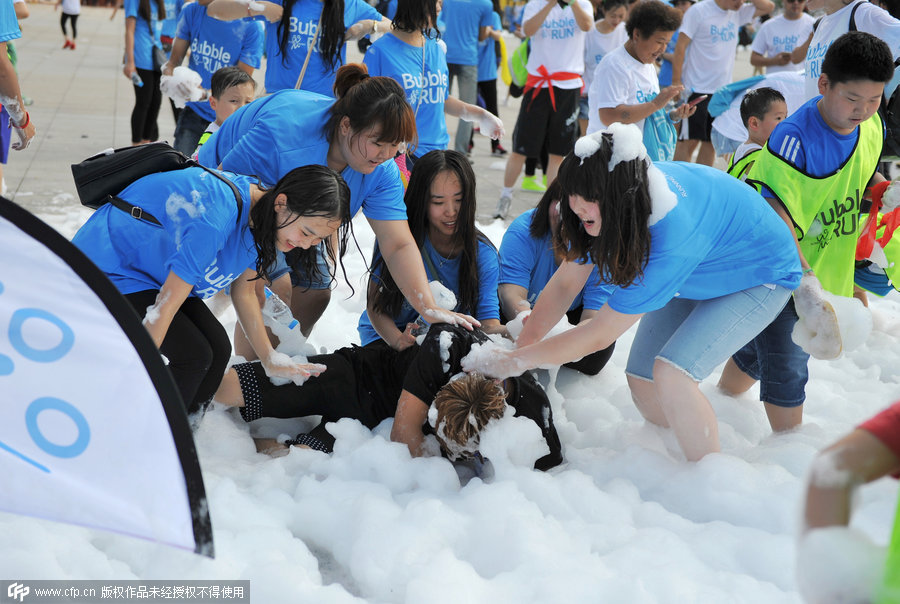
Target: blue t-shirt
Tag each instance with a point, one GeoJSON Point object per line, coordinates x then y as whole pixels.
{"type": "Point", "coordinates": [392, 57]}
{"type": "Point", "coordinates": [665, 68]}
{"type": "Point", "coordinates": [463, 19]}
{"type": "Point", "coordinates": [487, 57]}
{"type": "Point", "coordinates": [319, 76]}
{"type": "Point", "coordinates": [722, 237]}
{"type": "Point", "coordinates": [170, 24]}
{"type": "Point", "coordinates": [529, 263]}
{"type": "Point", "coordinates": [273, 135]}
{"type": "Point", "coordinates": [201, 238]}
{"type": "Point", "coordinates": [488, 306]}
{"type": "Point", "coordinates": [9, 25]}
{"type": "Point", "coordinates": [215, 44]}
{"type": "Point", "coordinates": [809, 144]}
{"type": "Point", "coordinates": [143, 41]}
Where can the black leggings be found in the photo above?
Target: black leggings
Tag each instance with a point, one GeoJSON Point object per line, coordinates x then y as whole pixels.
{"type": "Point", "coordinates": [147, 99]}
{"type": "Point", "coordinates": [333, 395]}
{"type": "Point", "coordinates": [62, 23]}
{"type": "Point", "coordinates": [196, 345]}
{"type": "Point", "coordinates": [488, 92]}
{"type": "Point", "coordinates": [531, 163]}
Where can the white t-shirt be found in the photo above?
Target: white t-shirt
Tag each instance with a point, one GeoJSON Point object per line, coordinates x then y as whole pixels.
{"type": "Point", "coordinates": [788, 83]}
{"type": "Point", "coordinates": [71, 7]}
{"type": "Point", "coordinates": [597, 46]}
{"type": "Point", "coordinates": [868, 17]}
{"type": "Point", "coordinates": [709, 59]}
{"type": "Point", "coordinates": [620, 79]}
{"type": "Point", "coordinates": [782, 35]}
{"type": "Point", "coordinates": [559, 44]}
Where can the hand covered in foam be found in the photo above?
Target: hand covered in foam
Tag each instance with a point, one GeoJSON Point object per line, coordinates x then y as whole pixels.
{"type": "Point", "coordinates": [493, 361]}
{"type": "Point", "coordinates": [491, 125]}
{"type": "Point", "coordinates": [282, 369]}
{"type": "Point", "coordinates": [817, 331]}
{"type": "Point", "coordinates": [182, 86]}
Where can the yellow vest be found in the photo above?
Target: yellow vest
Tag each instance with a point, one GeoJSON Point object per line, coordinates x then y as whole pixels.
{"type": "Point", "coordinates": [825, 210]}
{"type": "Point", "coordinates": [740, 168]}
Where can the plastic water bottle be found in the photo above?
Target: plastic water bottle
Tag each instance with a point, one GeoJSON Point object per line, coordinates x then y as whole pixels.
{"type": "Point", "coordinates": [278, 311]}
{"type": "Point", "coordinates": [136, 79]}
{"type": "Point", "coordinates": [421, 327]}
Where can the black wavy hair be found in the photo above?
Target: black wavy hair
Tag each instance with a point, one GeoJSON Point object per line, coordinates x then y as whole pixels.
{"type": "Point", "coordinates": [416, 15]}
{"type": "Point", "coordinates": [540, 220]}
{"type": "Point", "coordinates": [144, 10]}
{"type": "Point", "coordinates": [330, 40]}
{"type": "Point", "coordinates": [387, 297]}
{"type": "Point", "coordinates": [312, 190]}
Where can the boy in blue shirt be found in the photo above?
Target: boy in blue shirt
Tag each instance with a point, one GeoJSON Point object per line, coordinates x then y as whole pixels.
{"type": "Point", "coordinates": [813, 171]}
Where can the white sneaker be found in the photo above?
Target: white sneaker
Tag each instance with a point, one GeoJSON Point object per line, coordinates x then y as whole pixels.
{"type": "Point", "coordinates": [503, 206]}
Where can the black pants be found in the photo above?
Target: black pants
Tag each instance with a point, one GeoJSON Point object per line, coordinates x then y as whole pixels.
{"type": "Point", "coordinates": [62, 23]}
{"type": "Point", "coordinates": [196, 345]}
{"type": "Point", "coordinates": [531, 163]}
{"type": "Point", "coordinates": [332, 395]}
{"type": "Point", "coordinates": [488, 91]}
{"type": "Point", "coordinates": [147, 99]}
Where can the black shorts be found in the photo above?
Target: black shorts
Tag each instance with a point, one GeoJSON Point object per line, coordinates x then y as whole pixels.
{"type": "Point", "coordinates": [699, 126]}
{"type": "Point", "coordinates": [538, 121]}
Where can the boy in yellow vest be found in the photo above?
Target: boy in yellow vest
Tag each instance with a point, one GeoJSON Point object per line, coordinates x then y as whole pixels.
{"type": "Point", "coordinates": [761, 110]}
{"type": "Point", "coordinates": [814, 171]}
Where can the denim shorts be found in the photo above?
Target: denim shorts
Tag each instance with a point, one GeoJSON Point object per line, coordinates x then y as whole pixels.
{"type": "Point", "coordinates": [320, 280]}
{"type": "Point", "coordinates": [778, 363]}
{"type": "Point", "coordinates": [696, 336]}
{"type": "Point", "coordinates": [584, 109]}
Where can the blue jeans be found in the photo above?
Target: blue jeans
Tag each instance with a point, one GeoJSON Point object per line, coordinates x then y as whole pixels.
{"type": "Point", "coordinates": [188, 130]}
{"type": "Point", "coordinates": [697, 335]}
{"type": "Point", "coordinates": [776, 361]}
{"type": "Point", "coordinates": [467, 92]}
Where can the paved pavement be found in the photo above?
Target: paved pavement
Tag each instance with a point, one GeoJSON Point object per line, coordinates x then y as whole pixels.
{"type": "Point", "coordinates": [82, 104]}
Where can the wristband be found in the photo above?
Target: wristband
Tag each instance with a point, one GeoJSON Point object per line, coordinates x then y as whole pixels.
{"type": "Point", "coordinates": [807, 271]}
{"type": "Point", "coordinates": [374, 26]}
{"type": "Point", "coordinates": [27, 121]}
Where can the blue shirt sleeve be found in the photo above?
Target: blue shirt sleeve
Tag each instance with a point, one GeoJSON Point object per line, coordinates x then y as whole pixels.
{"type": "Point", "coordinates": [383, 197]}
{"type": "Point", "coordinates": [252, 48]}
{"type": "Point", "coordinates": [519, 253]}
{"type": "Point", "coordinates": [357, 10]}
{"type": "Point", "coordinates": [488, 279]}
{"type": "Point", "coordinates": [189, 22]}
{"type": "Point", "coordinates": [9, 25]}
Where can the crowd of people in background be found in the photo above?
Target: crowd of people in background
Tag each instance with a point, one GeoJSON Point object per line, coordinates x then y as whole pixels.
{"type": "Point", "coordinates": [627, 105]}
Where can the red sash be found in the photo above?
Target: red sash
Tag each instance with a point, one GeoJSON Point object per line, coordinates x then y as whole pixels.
{"type": "Point", "coordinates": [546, 79]}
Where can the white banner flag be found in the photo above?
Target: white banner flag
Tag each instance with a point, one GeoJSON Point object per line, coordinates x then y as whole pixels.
{"type": "Point", "coordinates": [92, 429]}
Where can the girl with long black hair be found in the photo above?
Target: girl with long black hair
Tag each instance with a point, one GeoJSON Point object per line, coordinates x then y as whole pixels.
{"type": "Point", "coordinates": [440, 206]}
{"type": "Point", "coordinates": [193, 240]}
